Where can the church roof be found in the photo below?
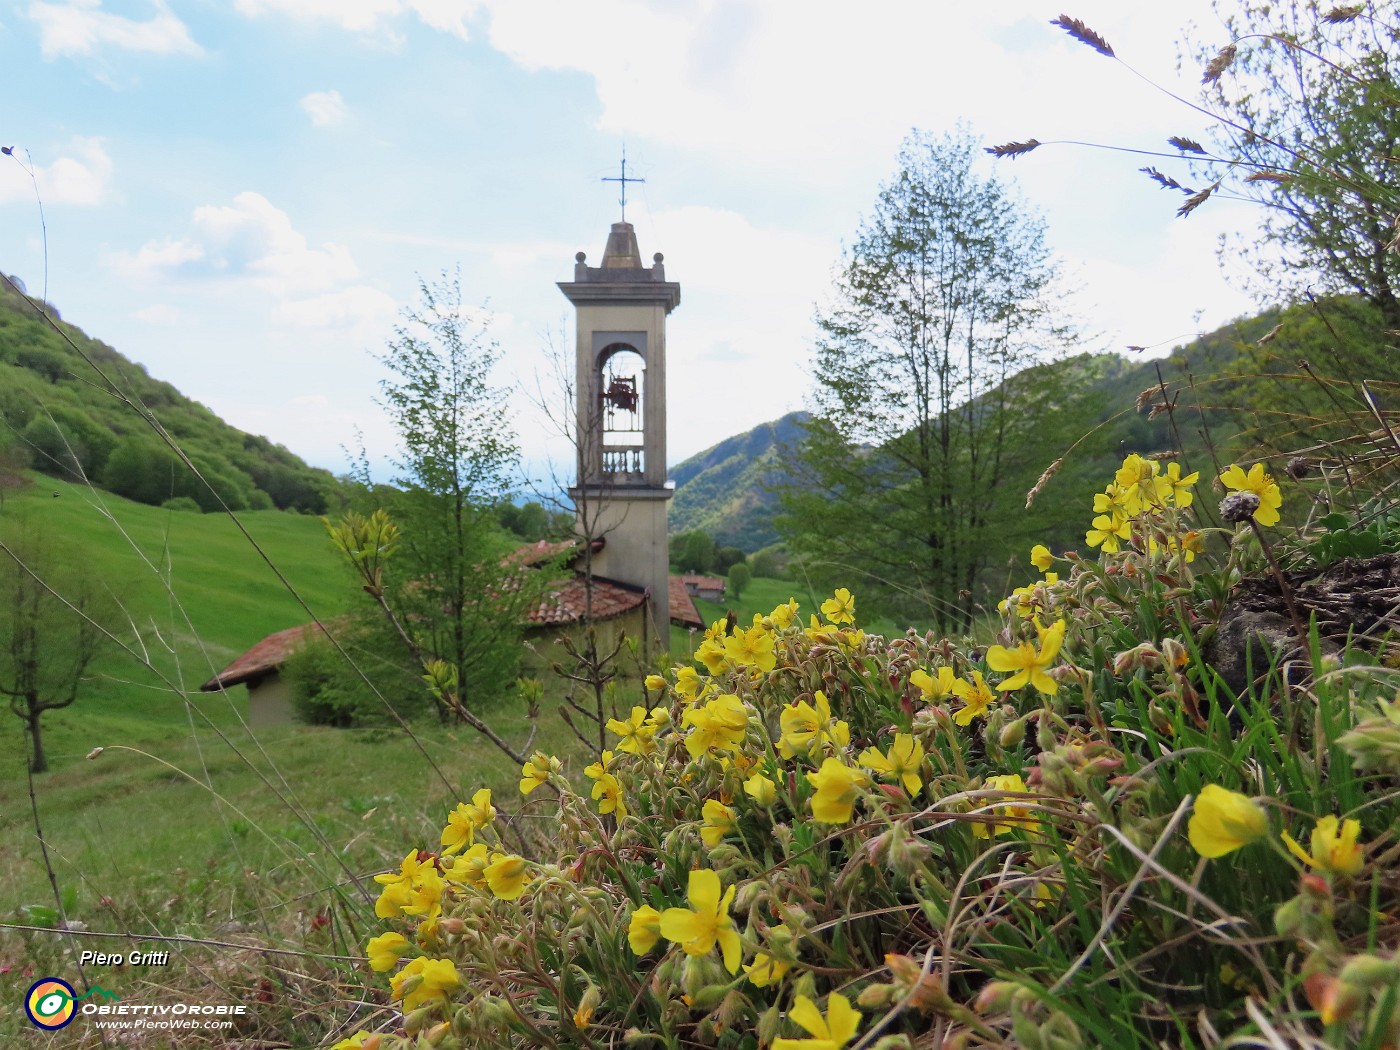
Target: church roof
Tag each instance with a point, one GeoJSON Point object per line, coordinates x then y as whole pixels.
{"type": "Point", "coordinates": [566, 603]}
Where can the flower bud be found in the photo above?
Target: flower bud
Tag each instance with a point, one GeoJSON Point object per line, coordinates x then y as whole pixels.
{"type": "Point", "coordinates": [1288, 916]}
{"type": "Point", "coordinates": [878, 996]}
{"type": "Point", "coordinates": [1369, 971]}
{"type": "Point", "coordinates": [440, 1037]}
{"type": "Point", "coordinates": [1012, 733]}
{"type": "Point", "coordinates": [1335, 999]}
{"type": "Point", "coordinates": [701, 974]}
{"type": "Point", "coordinates": [996, 997]}
{"type": "Point", "coordinates": [1239, 506]}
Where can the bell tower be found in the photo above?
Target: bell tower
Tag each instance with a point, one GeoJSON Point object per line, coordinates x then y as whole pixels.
{"type": "Point", "coordinates": [621, 492]}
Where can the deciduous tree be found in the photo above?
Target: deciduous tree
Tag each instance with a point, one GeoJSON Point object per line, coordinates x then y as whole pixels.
{"type": "Point", "coordinates": [1310, 97]}
{"type": "Point", "coordinates": [945, 295]}
{"type": "Point", "coordinates": [49, 633]}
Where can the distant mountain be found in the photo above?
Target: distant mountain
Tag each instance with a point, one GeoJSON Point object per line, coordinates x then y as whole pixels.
{"type": "Point", "coordinates": [59, 416]}
{"type": "Point", "coordinates": [730, 490]}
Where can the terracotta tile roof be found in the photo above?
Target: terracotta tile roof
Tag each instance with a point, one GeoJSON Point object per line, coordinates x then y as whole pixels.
{"type": "Point", "coordinates": [682, 608]}
{"type": "Point", "coordinates": [262, 659]}
{"type": "Point", "coordinates": [544, 550]}
{"type": "Point", "coordinates": [567, 600]}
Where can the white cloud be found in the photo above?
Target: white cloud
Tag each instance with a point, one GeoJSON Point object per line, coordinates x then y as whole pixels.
{"type": "Point", "coordinates": [162, 314]}
{"type": "Point", "coordinates": [250, 240]}
{"type": "Point", "coordinates": [368, 16]}
{"type": "Point", "coordinates": [81, 27]}
{"type": "Point", "coordinates": [324, 108]}
{"type": "Point", "coordinates": [82, 175]}
{"type": "Point", "coordinates": [364, 309]}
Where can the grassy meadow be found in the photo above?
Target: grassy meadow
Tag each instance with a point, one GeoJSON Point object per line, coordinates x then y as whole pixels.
{"type": "Point", "coordinates": [188, 824]}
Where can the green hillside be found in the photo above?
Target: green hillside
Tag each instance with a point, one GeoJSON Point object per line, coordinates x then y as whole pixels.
{"type": "Point", "coordinates": [60, 416]}
{"type": "Point", "coordinates": [192, 593]}
{"type": "Point", "coordinates": [731, 490]}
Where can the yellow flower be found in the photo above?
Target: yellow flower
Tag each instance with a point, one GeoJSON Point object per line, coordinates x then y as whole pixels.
{"type": "Point", "coordinates": [838, 786]}
{"type": "Point", "coordinates": [841, 608]}
{"type": "Point", "coordinates": [1013, 815]}
{"type": "Point", "coordinates": [1332, 852]}
{"type": "Point", "coordinates": [687, 683]}
{"type": "Point", "coordinates": [711, 651]}
{"type": "Point", "coordinates": [1259, 483]}
{"type": "Point", "coordinates": [655, 682]}
{"type": "Point", "coordinates": [934, 690]}
{"type": "Point", "coordinates": [1179, 487]}
{"type": "Point", "coordinates": [438, 977]}
{"type": "Point", "coordinates": [583, 1016]}
{"type": "Point", "coordinates": [751, 648]}
{"type": "Point", "coordinates": [718, 725]}
{"type": "Point", "coordinates": [1029, 664]}
{"type": "Point", "coordinates": [765, 968]}
{"type": "Point", "coordinates": [638, 732]}
{"type": "Point", "coordinates": [359, 1041]}
{"type": "Point", "coordinates": [761, 790]}
{"type": "Point", "coordinates": [537, 770]}
{"type": "Point", "coordinates": [1188, 545]}
{"type": "Point", "coordinates": [607, 789]}
{"type": "Point", "coordinates": [469, 869]}
{"type": "Point", "coordinates": [719, 821]}
{"type": "Point", "coordinates": [1107, 530]}
{"type": "Point", "coordinates": [784, 615]}
{"type": "Point", "coordinates": [594, 770]}
{"type": "Point", "coordinates": [644, 929]}
{"type": "Point", "coordinates": [507, 875]}
{"type": "Point", "coordinates": [1028, 602]}
{"type": "Point", "coordinates": [1137, 481]}
{"type": "Point", "coordinates": [807, 728]}
{"type": "Point", "coordinates": [1111, 501]}
{"type": "Point", "coordinates": [466, 820]}
{"type": "Point", "coordinates": [1222, 821]}
{"type": "Point", "coordinates": [389, 904]}
{"type": "Point", "coordinates": [386, 950]}
{"type": "Point", "coordinates": [976, 696]}
{"type": "Point", "coordinates": [697, 928]}
{"type": "Point", "coordinates": [1041, 557]}
{"type": "Point", "coordinates": [418, 894]}
{"type": "Point", "coordinates": [831, 1032]}
{"type": "Point", "coordinates": [902, 763]}
{"type": "Point", "coordinates": [409, 868]}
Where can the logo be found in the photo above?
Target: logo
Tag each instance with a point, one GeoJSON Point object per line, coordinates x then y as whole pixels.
{"type": "Point", "coordinates": [50, 1002]}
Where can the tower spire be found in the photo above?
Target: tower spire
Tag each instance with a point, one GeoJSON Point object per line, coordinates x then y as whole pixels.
{"type": "Point", "coordinates": [624, 180]}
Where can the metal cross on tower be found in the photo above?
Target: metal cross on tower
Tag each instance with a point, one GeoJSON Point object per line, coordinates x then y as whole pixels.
{"type": "Point", "coordinates": [624, 180]}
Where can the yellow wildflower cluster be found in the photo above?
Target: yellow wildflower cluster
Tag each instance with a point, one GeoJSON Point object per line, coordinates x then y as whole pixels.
{"type": "Point", "coordinates": [1140, 488]}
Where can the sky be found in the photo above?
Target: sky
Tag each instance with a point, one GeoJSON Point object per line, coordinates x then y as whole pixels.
{"type": "Point", "coordinates": [242, 195]}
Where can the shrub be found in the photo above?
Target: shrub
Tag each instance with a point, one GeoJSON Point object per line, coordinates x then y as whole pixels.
{"type": "Point", "coordinates": [327, 691]}
{"type": "Point", "coordinates": [181, 503]}
{"type": "Point", "coordinates": [1075, 836]}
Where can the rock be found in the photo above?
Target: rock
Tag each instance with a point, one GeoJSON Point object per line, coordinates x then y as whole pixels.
{"type": "Point", "coordinates": [1355, 598]}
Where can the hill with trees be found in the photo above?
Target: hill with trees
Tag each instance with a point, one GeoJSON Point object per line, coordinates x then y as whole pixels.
{"type": "Point", "coordinates": [59, 416]}
{"type": "Point", "coordinates": [731, 489]}
{"type": "Point", "coordinates": [1239, 384]}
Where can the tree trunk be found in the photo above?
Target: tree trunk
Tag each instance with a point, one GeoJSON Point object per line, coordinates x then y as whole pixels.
{"type": "Point", "coordinates": [38, 762]}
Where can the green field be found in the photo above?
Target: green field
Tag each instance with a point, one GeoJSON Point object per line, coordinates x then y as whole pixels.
{"type": "Point", "coordinates": [188, 823]}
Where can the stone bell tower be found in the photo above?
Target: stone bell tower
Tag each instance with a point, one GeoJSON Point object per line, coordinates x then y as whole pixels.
{"type": "Point", "coordinates": [622, 493]}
